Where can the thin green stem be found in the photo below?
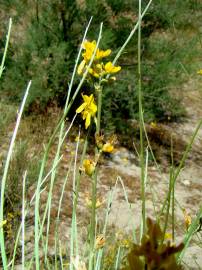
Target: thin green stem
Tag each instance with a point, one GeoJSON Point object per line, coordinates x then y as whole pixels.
{"type": "Point", "coordinates": [168, 204]}
{"type": "Point", "coordinates": [173, 194]}
{"type": "Point", "coordinates": [6, 48]}
{"type": "Point", "coordinates": [94, 183]}
{"type": "Point", "coordinates": [76, 196]}
{"type": "Point", "coordinates": [185, 155]}
{"type": "Point", "coordinates": [23, 219]}
{"type": "Point", "coordinates": [131, 34]}
{"type": "Point", "coordinates": [5, 173]}
{"type": "Point", "coordinates": [141, 123]}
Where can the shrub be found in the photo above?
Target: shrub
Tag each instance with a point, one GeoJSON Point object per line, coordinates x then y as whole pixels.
{"type": "Point", "coordinates": [53, 36]}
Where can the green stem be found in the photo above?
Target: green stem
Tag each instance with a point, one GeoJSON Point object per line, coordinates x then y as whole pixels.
{"type": "Point", "coordinates": [173, 214]}
{"type": "Point", "coordinates": [3, 181]}
{"type": "Point", "coordinates": [75, 200]}
{"type": "Point", "coordinates": [141, 123]}
{"type": "Point", "coordinates": [94, 183]}
{"type": "Point", "coordinates": [6, 48]}
{"type": "Point", "coordinates": [168, 205]}
{"type": "Point", "coordinates": [173, 194]}
{"type": "Point", "coordinates": [5, 174]}
{"type": "Point", "coordinates": [131, 34]}
{"type": "Point", "coordinates": [99, 109]}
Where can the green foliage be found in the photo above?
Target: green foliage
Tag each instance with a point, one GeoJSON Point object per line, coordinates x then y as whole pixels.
{"type": "Point", "coordinates": [53, 36]}
{"type": "Point", "coordinates": [7, 116]}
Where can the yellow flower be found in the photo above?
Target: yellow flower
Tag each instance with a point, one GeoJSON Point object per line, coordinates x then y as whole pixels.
{"type": "Point", "coordinates": [110, 68]}
{"type": "Point", "coordinates": [88, 166]}
{"type": "Point", "coordinates": [108, 148]}
{"type": "Point", "coordinates": [88, 109]}
{"type": "Point", "coordinates": [89, 49]}
{"type": "Point", "coordinates": [101, 54]}
{"type": "Point", "coordinates": [199, 72]}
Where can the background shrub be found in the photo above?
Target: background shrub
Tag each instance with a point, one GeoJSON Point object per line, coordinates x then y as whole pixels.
{"type": "Point", "coordinates": [51, 32]}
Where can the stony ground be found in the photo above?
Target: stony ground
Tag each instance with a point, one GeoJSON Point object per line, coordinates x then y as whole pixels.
{"type": "Point", "coordinates": [122, 167]}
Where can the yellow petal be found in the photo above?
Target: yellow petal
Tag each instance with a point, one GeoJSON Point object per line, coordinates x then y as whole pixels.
{"type": "Point", "coordinates": [107, 53]}
{"type": "Point", "coordinates": [87, 45]}
{"type": "Point", "coordinates": [88, 166]}
{"type": "Point", "coordinates": [93, 109]}
{"type": "Point", "coordinates": [116, 69]}
{"type": "Point", "coordinates": [101, 54]}
{"type": "Point", "coordinates": [87, 123]}
{"type": "Point", "coordinates": [81, 108]}
{"type": "Point", "coordinates": [110, 68]}
{"type": "Point", "coordinates": [108, 148]}
{"type": "Point", "coordinates": [81, 67]}
{"type": "Point", "coordinates": [87, 99]}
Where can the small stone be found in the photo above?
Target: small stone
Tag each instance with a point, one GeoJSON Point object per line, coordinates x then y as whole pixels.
{"type": "Point", "coordinates": [186, 183]}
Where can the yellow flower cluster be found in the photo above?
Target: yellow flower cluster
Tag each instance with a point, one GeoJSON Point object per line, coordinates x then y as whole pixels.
{"type": "Point", "coordinates": [98, 69]}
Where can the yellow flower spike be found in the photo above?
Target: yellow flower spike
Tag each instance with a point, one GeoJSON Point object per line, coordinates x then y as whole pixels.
{"type": "Point", "coordinates": [110, 68]}
{"type": "Point", "coordinates": [3, 223]}
{"type": "Point", "coordinates": [108, 148]}
{"type": "Point", "coordinates": [88, 109]}
{"type": "Point", "coordinates": [100, 241]}
{"type": "Point", "coordinates": [199, 72]}
{"type": "Point", "coordinates": [89, 166]}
